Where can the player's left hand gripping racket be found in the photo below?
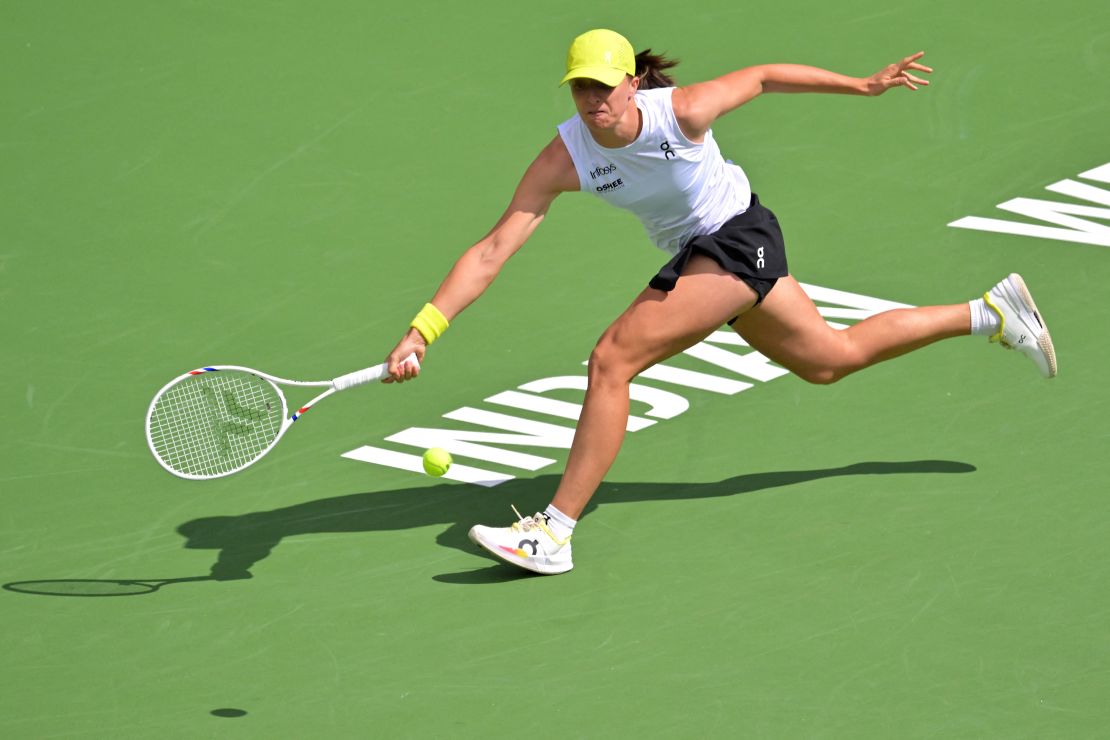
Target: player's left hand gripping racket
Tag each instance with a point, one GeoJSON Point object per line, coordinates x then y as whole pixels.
{"type": "Point", "coordinates": [215, 421]}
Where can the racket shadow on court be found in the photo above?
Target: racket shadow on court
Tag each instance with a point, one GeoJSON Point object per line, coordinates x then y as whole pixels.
{"type": "Point", "coordinates": [244, 540]}
{"type": "Point", "coordinates": [94, 587]}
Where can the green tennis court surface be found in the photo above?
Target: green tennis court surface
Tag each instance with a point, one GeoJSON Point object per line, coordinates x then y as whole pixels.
{"type": "Point", "coordinates": [918, 551]}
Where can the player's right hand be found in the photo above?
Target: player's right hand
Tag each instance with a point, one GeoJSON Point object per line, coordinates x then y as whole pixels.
{"type": "Point", "coordinates": [411, 344]}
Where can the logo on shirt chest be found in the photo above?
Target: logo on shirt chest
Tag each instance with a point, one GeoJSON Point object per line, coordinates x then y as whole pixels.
{"type": "Point", "coordinates": [606, 170]}
{"type": "Point", "coordinates": [603, 170]}
{"type": "Point", "coordinates": [609, 186]}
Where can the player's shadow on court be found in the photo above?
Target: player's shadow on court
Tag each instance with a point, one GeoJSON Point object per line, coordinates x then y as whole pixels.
{"type": "Point", "coordinates": [242, 541]}
{"type": "Point", "coordinates": [246, 539]}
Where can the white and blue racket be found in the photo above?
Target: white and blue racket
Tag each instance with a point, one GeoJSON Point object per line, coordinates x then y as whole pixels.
{"type": "Point", "coordinates": [215, 421]}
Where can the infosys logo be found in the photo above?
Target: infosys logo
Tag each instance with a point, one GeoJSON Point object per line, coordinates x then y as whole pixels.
{"type": "Point", "coordinates": [602, 171]}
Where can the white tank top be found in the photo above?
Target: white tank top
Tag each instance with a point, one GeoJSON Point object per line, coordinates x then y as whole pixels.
{"type": "Point", "coordinates": [678, 189]}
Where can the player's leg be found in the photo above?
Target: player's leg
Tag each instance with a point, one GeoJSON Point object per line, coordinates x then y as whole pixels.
{"type": "Point", "coordinates": [787, 328]}
{"type": "Point", "coordinates": [656, 326]}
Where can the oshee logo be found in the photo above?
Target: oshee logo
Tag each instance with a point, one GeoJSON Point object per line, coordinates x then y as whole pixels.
{"type": "Point", "coordinates": [618, 183]}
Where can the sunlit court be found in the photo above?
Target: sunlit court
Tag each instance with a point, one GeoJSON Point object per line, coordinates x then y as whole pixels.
{"type": "Point", "coordinates": [754, 332]}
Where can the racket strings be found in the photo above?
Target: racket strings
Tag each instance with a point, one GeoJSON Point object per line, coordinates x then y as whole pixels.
{"type": "Point", "coordinates": [215, 423]}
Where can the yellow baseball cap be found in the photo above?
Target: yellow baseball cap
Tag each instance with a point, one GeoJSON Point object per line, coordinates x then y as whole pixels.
{"type": "Point", "coordinates": [601, 55]}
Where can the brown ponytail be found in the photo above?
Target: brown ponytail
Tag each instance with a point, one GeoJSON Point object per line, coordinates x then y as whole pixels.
{"type": "Point", "coordinates": [651, 69]}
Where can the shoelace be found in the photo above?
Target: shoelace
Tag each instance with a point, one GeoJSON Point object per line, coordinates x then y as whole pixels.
{"type": "Point", "coordinates": [525, 523]}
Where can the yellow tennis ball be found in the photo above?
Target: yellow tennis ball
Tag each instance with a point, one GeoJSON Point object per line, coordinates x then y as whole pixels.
{"type": "Point", "coordinates": [437, 461]}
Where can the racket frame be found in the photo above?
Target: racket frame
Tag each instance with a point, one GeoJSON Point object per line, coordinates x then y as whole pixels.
{"type": "Point", "coordinates": [343, 382]}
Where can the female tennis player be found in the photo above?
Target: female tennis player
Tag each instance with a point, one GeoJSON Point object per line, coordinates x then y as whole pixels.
{"type": "Point", "coordinates": [645, 145]}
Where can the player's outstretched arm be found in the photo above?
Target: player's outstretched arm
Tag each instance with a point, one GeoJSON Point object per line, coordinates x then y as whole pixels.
{"type": "Point", "coordinates": [551, 173]}
{"type": "Point", "coordinates": [698, 106]}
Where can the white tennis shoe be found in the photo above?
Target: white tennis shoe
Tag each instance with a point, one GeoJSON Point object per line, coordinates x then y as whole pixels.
{"type": "Point", "coordinates": [528, 543]}
{"type": "Point", "coordinates": [1022, 327]}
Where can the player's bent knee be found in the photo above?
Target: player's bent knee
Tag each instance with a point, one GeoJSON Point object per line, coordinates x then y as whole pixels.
{"type": "Point", "coordinates": [824, 375]}
{"type": "Point", "coordinates": [608, 365]}
{"type": "Point", "coordinates": [832, 367]}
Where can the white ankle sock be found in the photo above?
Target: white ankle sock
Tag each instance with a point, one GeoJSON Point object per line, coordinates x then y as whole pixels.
{"type": "Point", "coordinates": [984, 320]}
{"type": "Point", "coordinates": [561, 524]}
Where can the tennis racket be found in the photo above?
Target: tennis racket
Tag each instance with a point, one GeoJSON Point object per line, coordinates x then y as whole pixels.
{"type": "Point", "coordinates": [215, 421]}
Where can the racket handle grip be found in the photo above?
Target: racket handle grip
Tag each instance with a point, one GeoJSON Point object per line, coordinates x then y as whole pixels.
{"type": "Point", "coordinates": [368, 375]}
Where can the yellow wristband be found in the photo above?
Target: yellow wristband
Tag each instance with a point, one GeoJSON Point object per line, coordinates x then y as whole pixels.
{"type": "Point", "coordinates": [430, 323]}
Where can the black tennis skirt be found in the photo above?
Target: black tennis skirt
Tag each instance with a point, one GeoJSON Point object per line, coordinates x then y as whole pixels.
{"type": "Point", "coordinates": [749, 245]}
